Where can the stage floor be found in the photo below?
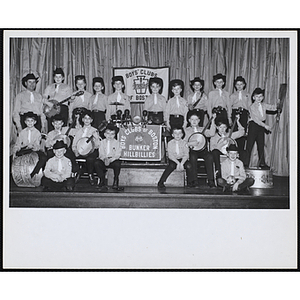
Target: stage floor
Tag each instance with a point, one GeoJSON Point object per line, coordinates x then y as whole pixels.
{"type": "Point", "coordinates": [87, 196]}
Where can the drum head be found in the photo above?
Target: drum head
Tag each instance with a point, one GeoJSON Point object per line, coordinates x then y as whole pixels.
{"type": "Point", "coordinates": [84, 148]}
{"type": "Point", "coordinates": [136, 119]}
{"type": "Point", "coordinates": [199, 139]}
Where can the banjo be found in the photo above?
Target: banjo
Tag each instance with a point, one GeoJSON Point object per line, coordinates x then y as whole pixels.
{"type": "Point", "coordinates": [227, 140]}
{"type": "Point", "coordinates": [198, 139]}
{"type": "Point", "coordinates": [86, 145]}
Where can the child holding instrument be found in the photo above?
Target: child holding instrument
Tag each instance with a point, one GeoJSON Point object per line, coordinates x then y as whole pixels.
{"type": "Point", "coordinates": [58, 91]}
{"type": "Point", "coordinates": [176, 109]}
{"type": "Point", "coordinates": [178, 153]}
{"type": "Point", "coordinates": [197, 100]}
{"type": "Point", "coordinates": [82, 100]}
{"type": "Point", "coordinates": [98, 102]}
{"type": "Point", "coordinates": [29, 140]}
{"type": "Point", "coordinates": [221, 140]}
{"type": "Point", "coordinates": [86, 143]}
{"type": "Point", "coordinates": [109, 157]}
{"type": "Point", "coordinates": [118, 100]}
{"type": "Point", "coordinates": [257, 126]}
{"type": "Point", "coordinates": [197, 150]}
{"type": "Point", "coordinates": [233, 172]}
{"type": "Point", "coordinates": [219, 98]}
{"type": "Point", "coordinates": [155, 103]}
{"type": "Point", "coordinates": [58, 169]}
{"type": "Point", "coordinates": [240, 103]}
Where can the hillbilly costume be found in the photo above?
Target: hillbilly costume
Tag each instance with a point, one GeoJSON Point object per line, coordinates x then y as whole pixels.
{"type": "Point", "coordinates": [58, 92]}
{"type": "Point", "coordinates": [240, 101]}
{"type": "Point", "coordinates": [218, 143]}
{"type": "Point", "coordinates": [118, 100]}
{"type": "Point", "coordinates": [98, 103]}
{"type": "Point", "coordinates": [28, 141]}
{"type": "Point", "coordinates": [81, 101]}
{"type": "Point", "coordinates": [233, 171]}
{"type": "Point", "coordinates": [109, 157]}
{"type": "Point", "coordinates": [85, 145]}
{"type": "Point", "coordinates": [176, 109]}
{"type": "Point", "coordinates": [57, 173]}
{"type": "Point", "coordinates": [197, 101]}
{"type": "Point", "coordinates": [219, 98]}
{"type": "Point", "coordinates": [27, 101]}
{"type": "Point", "coordinates": [155, 104]}
{"type": "Point", "coordinates": [177, 151]}
{"type": "Point", "coordinates": [203, 153]}
{"type": "Point", "coordinates": [257, 127]}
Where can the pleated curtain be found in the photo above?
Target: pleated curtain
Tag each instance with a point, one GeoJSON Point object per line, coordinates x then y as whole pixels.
{"type": "Point", "coordinates": [263, 62]}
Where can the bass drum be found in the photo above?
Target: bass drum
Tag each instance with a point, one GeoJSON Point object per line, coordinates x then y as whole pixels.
{"type": "Point", "coordinates": [22, 166]}
{"type": "Point", "coordinates": [199, 141]}
{"type": "Point", "coordinates": [263, 178]}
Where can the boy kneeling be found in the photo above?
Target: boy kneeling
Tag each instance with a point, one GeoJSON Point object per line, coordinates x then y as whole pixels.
{"type": "Point", "coordinates": [109, 154]}
{"type": "Point", "coordinates": [233, 172]}
{"type": "Point", "coordinates": [58, 169]}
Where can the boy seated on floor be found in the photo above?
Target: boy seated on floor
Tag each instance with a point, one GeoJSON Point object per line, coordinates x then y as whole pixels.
{"type": "Point", "coordinates": [58, 170]}
{"type": "Point", "coordinates": [233, 172]}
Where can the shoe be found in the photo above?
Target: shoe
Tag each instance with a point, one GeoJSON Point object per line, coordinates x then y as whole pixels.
{"type": "Point", "coordinates": [191, 184]}
{"type": "Point", "coordinates": [116, 186]}
{"type": "Point", "coordinates": [161, 186]}
{"type": "Point", "coordinates": [91, 179]}
{"type": "Point", "coordinates": [264, 167]}
{"type": "Point", "coordinates": [46, 189]}
{"type": "Point", "coordinates": [103, 188]}
{"type": "Point", "coordinates": [211, 183]}
{"type": "Point", "coordinates": [224, 189]}
{"type": "Point", "coordinates": [69, 188]}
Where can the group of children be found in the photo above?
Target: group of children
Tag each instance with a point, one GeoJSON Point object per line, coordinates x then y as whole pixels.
{"type": "Point", "coordinates": [182, 118]}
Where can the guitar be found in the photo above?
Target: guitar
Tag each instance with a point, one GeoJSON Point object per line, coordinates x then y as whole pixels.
{"type": "Point", "coordinates": [193, 105]}
{"type": "Point", "coordinates": [55, 109]}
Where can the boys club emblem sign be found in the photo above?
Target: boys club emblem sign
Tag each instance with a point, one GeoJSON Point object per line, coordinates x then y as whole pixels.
{"type": "Point", "coordinates": [137, 81]}
{"type": "Point", "coordinates": [140, 143]}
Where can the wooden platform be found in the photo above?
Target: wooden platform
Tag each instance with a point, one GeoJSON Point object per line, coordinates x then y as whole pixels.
{"type": "Point", "coordinates": [86, 196]}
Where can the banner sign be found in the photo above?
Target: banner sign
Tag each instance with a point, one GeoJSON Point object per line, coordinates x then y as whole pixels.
{"type": "Point", "coordinates": [140, 143]}
{"type": "Point", "coordinates": [137, 81]}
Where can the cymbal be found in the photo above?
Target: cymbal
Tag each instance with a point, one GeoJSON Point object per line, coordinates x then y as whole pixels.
{"type": "Point", "coordinates": [116, 103]}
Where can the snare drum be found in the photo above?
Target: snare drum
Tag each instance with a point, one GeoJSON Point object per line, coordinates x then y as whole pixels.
{"type": "Point", "coordinates": [22, 166]}
{"type": "Point", "coordinates": [263, 178]}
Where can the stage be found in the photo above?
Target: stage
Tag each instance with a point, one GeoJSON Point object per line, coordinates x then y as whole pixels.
{"type": "Point", "coordinates": [145, 197]}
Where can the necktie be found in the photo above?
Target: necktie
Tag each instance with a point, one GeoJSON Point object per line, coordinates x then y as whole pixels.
{"type": "Point", "coordinates": [260, 109]}
{"type": "Point", "coordinates": [31, 98]}
{"type": "Point", "coordinates": [240, 95]}
{"type": "Point", "coordinates": [220, 93]}
{"type": "Point", "coordinates": [56, 88]}
{"type": "Point", "coordinates": [29, 136]}
{"type": "Point", "coordinates": [155, 99]}
{"type": "Point", "coordinates": [107, 148]}
{"type": "Point", "coordinates": [119, 97]}
{"type": "Point", "coordinates": [96, 98]}
{"type": "Point", "coordinates": [195, 129]}
{"type": "Point", "coordinates": [85, 132]}
{"type": "Point", "coordinates": [194, 98]}
{"type": "Point", "coordinates": [177, 100]}
{"type": "Point", "coordinates": [59, 165]}
{"type": "Point", "coordinates": [232, 168]}
{"type": "Point", "coordinates": [82, 98]}
{"type": "Point", "coordinates": [177, 147]}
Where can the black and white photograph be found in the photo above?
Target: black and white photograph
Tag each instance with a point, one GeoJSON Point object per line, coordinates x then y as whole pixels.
{"type": "Point", "coordinates": [150, 149]}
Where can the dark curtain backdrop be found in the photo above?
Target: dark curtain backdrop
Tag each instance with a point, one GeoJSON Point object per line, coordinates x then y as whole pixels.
{"type": "Point", "coordinates": [263, 62]}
